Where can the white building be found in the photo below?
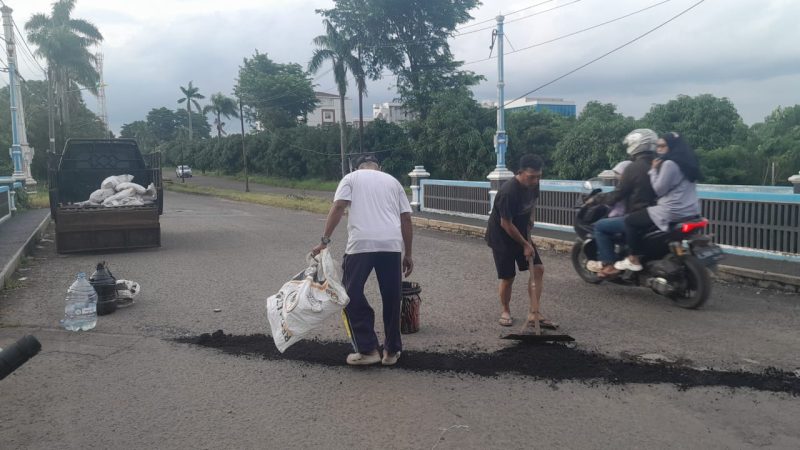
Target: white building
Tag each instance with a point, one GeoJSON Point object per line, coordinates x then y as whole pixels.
{"type": "Point", "coordinates": [327, 110]}
{"type": "Point", "coordinates": [391, 112]}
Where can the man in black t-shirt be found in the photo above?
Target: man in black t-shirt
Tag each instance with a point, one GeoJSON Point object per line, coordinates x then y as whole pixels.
{"type": "Point", "coordinates": [508, 233]}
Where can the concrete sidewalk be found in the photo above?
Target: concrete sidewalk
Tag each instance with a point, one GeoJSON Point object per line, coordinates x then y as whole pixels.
{"type": "Point", "coordinates": [17, 235]}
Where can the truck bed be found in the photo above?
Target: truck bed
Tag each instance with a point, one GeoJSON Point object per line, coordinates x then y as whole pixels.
{"type": "Point", "coordinates": [101, 228]}
{"type": "Point", "coordinates": [77, 172]}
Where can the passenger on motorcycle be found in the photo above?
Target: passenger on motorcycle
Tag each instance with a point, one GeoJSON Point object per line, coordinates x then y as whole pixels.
{"type": "Point", "coordinates": [674, 177]}
{"type": "Point", "coordinates": [634, 191]}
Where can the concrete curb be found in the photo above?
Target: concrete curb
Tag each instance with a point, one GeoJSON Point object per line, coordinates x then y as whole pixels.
{"type": "Point", "coordinates": [12, 265]}
{"type": "Point", "coordinates": [767, 280]}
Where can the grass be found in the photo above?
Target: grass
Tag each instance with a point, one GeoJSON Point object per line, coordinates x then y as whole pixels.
{"type": "Point", "coordinates": [12, 284]}
{"type": "Point", "coordinates": [296, 202]}
{"type": "Point", "coordinates": [41, 199]}
{"type": "Point", "coordinates": [311, 184]}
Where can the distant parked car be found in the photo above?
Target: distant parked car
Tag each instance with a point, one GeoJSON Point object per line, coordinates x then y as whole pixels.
{"type": "Point", "coordinates": [183, 172]}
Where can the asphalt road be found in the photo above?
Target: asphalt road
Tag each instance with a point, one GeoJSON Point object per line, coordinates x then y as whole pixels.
{"type": "Point", "coordinates": [127, 384]}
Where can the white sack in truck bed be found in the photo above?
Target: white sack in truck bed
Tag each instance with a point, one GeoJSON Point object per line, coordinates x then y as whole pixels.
{"type": "Point", "coordinates": [120, 190]}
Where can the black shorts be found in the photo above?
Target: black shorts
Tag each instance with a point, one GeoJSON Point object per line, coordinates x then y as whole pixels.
{"type": "Point", "coordinates": [504, 262]}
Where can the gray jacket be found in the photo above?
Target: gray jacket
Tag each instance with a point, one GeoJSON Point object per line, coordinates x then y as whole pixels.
{"type": "Point", "coordinates": [677, 196]}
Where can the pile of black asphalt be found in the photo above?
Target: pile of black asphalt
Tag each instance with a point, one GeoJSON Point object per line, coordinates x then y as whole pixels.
{"type": "Point", "coordinates": [552, 362]}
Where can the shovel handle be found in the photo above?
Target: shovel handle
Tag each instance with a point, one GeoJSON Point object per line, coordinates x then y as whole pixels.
{"type": "Point", "coordinates": [537, 328]}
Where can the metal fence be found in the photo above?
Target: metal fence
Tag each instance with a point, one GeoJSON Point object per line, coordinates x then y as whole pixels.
{"type": "Point", "coordinates": [5, 203]}
{"type": "Point", "coordinates": [756, 220]}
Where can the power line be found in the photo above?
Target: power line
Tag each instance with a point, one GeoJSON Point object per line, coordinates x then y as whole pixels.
{"type": "Point", "coordinates": [607, 53]}
{"type": "Point", "coordinates": [542, 12]}
{"type": "Point", "coordinates": [518, 19]}
{"type": "Point", "coordinates": [456, 35]}
{"type": "Point", "coordinates": [25, 43]}
{"type": "Point", "coordinates": [26, 59]}
{"type": "Point", "coordinates": [572, 34]}
{"type": "Point", "coordinates": [285, 94]}
{"type": "Point", "coordinates": [507, 14]}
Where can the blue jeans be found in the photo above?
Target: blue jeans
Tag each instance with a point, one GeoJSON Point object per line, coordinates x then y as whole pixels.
{"type": "Point", "coordinates": [604, 229]}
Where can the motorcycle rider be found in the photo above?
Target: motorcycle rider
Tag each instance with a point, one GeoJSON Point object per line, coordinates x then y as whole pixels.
{"type": "Point", "coordinates": [674, 177]}
{"type": "Point", "coordinates": [634, 191]}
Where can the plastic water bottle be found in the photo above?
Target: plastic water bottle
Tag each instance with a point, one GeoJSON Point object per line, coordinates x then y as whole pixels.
{"type": "Point", "coordinates": [80, 311]}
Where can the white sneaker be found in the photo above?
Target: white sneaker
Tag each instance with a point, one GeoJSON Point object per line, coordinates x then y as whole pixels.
{"type": "Point", "coordinates": [594, 266]}
{"type": "Point", "coordinates": [390, 359]}
{"type": "Point", "coordinates": [626, 264]}
{"type": "Point", "coordinates": [361, 359]}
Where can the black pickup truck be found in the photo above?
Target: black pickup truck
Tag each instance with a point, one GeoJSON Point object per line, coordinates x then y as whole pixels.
{"type": "Point", "coordinates": [78, 171]}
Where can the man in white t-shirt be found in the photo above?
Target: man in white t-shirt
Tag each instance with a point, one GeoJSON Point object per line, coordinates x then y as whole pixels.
{"type": "Point", "coordinates": [379, 237]}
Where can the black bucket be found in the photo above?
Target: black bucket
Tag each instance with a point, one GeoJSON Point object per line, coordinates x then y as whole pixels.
{"type": "Point", "coordinates": [409, 312]}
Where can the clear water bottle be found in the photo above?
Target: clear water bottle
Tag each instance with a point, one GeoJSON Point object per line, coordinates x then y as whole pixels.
{"type": "Point", "coordinates": [80, 311]}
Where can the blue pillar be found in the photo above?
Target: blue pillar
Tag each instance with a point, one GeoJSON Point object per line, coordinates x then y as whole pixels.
{"type": "Point", "coordinates": [500, 174]}
{"type": "Point", "coordinates": [16, 150]}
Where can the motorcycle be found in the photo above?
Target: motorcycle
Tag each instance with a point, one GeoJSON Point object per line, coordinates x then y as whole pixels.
{"type": "Point", "coordinates": [676, 262]}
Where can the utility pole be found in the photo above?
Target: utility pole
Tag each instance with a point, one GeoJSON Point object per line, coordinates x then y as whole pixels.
{"type": "Point", "coordinates": [180, 163]}
{"type": "Point", "coordinates": [500, 174]}
{"type": "Point", "coordinates": [360, 107]}
{"type": "Point", "coordinates": [50, 114]}
{"type": "Point", "coordinates": [244, 150]}
{"type": "Point", "coordinates": [21, 153]}
{"type": "Point", "coordinates": [101, 93]}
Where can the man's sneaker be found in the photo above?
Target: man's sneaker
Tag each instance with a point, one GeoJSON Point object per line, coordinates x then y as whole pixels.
{"type": "Point", "coordinates": [626, 264]}
{"type": "Point", "coordinates": [390, 359]}
{"type": "Point", "coordinates": [594, 266]}
{"type": "Point", "coordinates": [361, 359]}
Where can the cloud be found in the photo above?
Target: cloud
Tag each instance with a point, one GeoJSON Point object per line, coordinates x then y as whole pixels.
{"type": "Point", "coordinates": [744, 50]}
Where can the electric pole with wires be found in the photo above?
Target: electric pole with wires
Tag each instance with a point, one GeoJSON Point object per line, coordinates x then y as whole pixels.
{"type": "Point", "coordinates": [21, 153]}
{"type": "Point", "coordinates": [244, 149]}
{"type": "Point", "coordinates": [500, 174]}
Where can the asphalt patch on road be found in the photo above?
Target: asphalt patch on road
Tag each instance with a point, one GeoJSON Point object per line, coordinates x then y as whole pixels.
{"type": "Point", "coordinates": [553, 362]}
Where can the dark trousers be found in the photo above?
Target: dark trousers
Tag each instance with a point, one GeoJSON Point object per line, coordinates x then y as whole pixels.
{"type": "Point", "coordinates": [636, 225]}
{"type": "Point", "coordinates": [359, 315]}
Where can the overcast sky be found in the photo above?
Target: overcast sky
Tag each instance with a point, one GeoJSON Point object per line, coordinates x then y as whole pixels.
{"type": "Point", "coordinates": [746, 50]}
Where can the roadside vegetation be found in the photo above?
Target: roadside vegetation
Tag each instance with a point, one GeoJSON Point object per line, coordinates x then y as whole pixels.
{"type": "Point", "coordinates": [296, 202]}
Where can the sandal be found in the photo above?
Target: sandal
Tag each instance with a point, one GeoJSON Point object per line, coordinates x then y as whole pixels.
{"type": "Point", "coordinates": [506, 321]}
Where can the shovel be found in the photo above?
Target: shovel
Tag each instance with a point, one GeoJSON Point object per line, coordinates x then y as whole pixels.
{"type": "Point", "coordinates": [537, 336]}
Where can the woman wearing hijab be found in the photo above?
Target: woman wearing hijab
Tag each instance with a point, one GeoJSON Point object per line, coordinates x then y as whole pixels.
{"type": "Point", "coordinates": [674, 177]}
{"type": "Point", "coordinates": [633, 193]}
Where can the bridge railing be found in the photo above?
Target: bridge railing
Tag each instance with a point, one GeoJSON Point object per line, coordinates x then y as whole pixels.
{"type": "Point", "coordinates": [8, 188]}
{"type": "Point", "coordinates": [750, 220]}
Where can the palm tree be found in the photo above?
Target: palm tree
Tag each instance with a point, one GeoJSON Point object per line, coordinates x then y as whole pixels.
{"type": "Point", "coordinates": [64, 43]}
{"type": "Point", "coordinates": [221, 105]}
{"type": "Point", "coordinates": [338, 48]}
{"type": "Point", "coordinates": [190, 95]}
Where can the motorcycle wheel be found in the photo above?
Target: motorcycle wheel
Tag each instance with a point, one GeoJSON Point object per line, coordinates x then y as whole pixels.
{"type": "Point", "coordinates": [697, 287]}
{"type": "Point", "coordinates": [579, 261]}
